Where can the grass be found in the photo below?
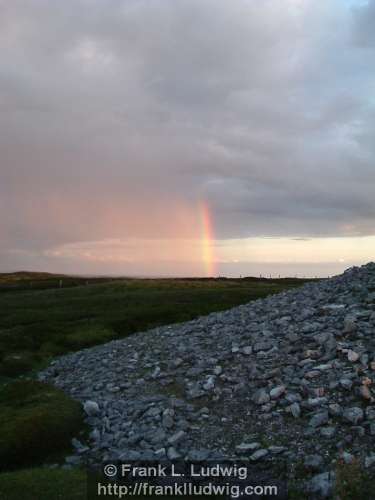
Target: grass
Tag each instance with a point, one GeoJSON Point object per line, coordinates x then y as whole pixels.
{"type": "Point", "coordinates": [352, 482]}
{"type": "Point", "coordinates": [43, 316]}
{"type": "Point", "coordinates": [36, 421]}
{"type": "Point", "coordinates": [16, 363]}
{"type": "Point", "coordinates": [43, 484]}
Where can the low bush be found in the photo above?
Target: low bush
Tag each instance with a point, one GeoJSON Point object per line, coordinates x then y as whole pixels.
{"type": "Point", "coordinates": [36, 421]}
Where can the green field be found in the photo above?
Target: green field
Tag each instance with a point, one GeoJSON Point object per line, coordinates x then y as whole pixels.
{"type": "Point", "coordinates": [42, 316]}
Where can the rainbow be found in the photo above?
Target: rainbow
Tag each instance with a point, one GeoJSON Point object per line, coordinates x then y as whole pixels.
{"type": "Point", "coordinates": [207, 239]}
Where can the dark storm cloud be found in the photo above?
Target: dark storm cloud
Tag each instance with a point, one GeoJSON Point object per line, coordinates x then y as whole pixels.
{"type": "Point", "coordinates": [264, 109]}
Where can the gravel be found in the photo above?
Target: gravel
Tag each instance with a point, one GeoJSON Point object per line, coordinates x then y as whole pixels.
{"type": "Point", "coordinates": [293, 372]}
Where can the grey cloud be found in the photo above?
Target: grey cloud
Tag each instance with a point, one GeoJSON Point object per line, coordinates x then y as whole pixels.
{"type": "Point", "coordinates": [264, 110]}
{"type": "Point", "coordinates": [364, 24]}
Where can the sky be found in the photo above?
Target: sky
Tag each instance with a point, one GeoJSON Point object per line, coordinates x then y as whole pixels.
{"type": "Point", "coordinates": [187, 137]}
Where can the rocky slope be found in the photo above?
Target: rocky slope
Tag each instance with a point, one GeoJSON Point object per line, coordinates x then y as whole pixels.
{"type": "Point", "coordinates": [287, 378]}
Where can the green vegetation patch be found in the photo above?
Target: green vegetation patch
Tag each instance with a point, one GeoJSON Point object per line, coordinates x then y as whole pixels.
{"type": "Point", "coordinates": [36, 421]}
{"type": "Point", "coordinates": [352, 482]}
{"type": "Point", "coordinates": [43, 484]}
{"type": "Point", "coordinates": [88, 336]}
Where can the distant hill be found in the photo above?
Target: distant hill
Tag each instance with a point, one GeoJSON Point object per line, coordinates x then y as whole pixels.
{"type": "Point", "coordinates": [27, 275]}
{"type": "Point", "coordinates": [29, 280]}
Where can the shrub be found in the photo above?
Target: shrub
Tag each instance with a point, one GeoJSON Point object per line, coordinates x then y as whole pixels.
{"type": "Point", "coordinates": [36, 421]}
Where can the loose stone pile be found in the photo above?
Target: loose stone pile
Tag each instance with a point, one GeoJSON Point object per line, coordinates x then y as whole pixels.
{"type": "Point", "coordinates": [286, 378]}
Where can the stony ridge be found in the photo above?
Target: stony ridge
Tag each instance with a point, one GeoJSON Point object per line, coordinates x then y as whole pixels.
{"type": "Point", "coordinates": [258, 381]}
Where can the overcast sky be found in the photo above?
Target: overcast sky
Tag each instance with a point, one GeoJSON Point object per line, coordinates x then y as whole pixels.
{"type": "Point", "coordinates": [120, 119]}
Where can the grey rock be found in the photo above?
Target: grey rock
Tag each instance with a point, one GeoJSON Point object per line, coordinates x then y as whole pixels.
{"type": "Point", "coordinates": [261, 397]}
{"type": "Point", "coordinates": [77, 444]}
{"type": "Point", "coordinates": [198, 455]}
{"type": "Point", "coordinates": [346, 383]}
{"type": "Point", "coordinates": [130, 455]}
{"type": "Point", "coordinates": [209, 384]}
{"type": "Point", "coordinates": [350, 324]}
{"type": "Point", "coordinates": [319, 419]}
{"type": "Point", "coordinates": [293, 398]}
{"type": "Point", "coordinates": [278, 391]}
{"type": "Point", "coordinates": [95, 434]}
{"type": "Point", "coordinates": [322, 484]}
{"type": "Point", "coordinates": [91, 408]}
{"type": "Point", "coordinates": [246, 447]}
{"type": "Point", "coordinates": [259, 455]}
{"type": "Point", "coordinates": [158, 437]}
{"type": "Point", "coordinates": [370, 413]}
{"type": "Point", "coordinates": [172, 453]}
{"type": "Point", "coordinates": [167, 421]}
{"type": "Point", "coordinates": [276, 450]}
{"type": "Point", "coordinates": [370, 460]}
{"type": "Point", "coordinates": [335, 409]}
{"type": "Point", "coordinates": [160, 454]}
{"type": "Point", "coordinates": [262, 346]}
{"type": "Point", "coordinates": [177, 437]}
{"type": "Point", "coordinates": [353, 415]}
{"type": "Point", "coordinates": [313, 462]}
{"type": "Point", "coordinates": [316, 402]}
{"type": "Point", "coordinates": [328, 432]}
{"type": "Point", "coordinates": [295, 410]}
{"type": "Point", "coordinates": [353, 356]}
